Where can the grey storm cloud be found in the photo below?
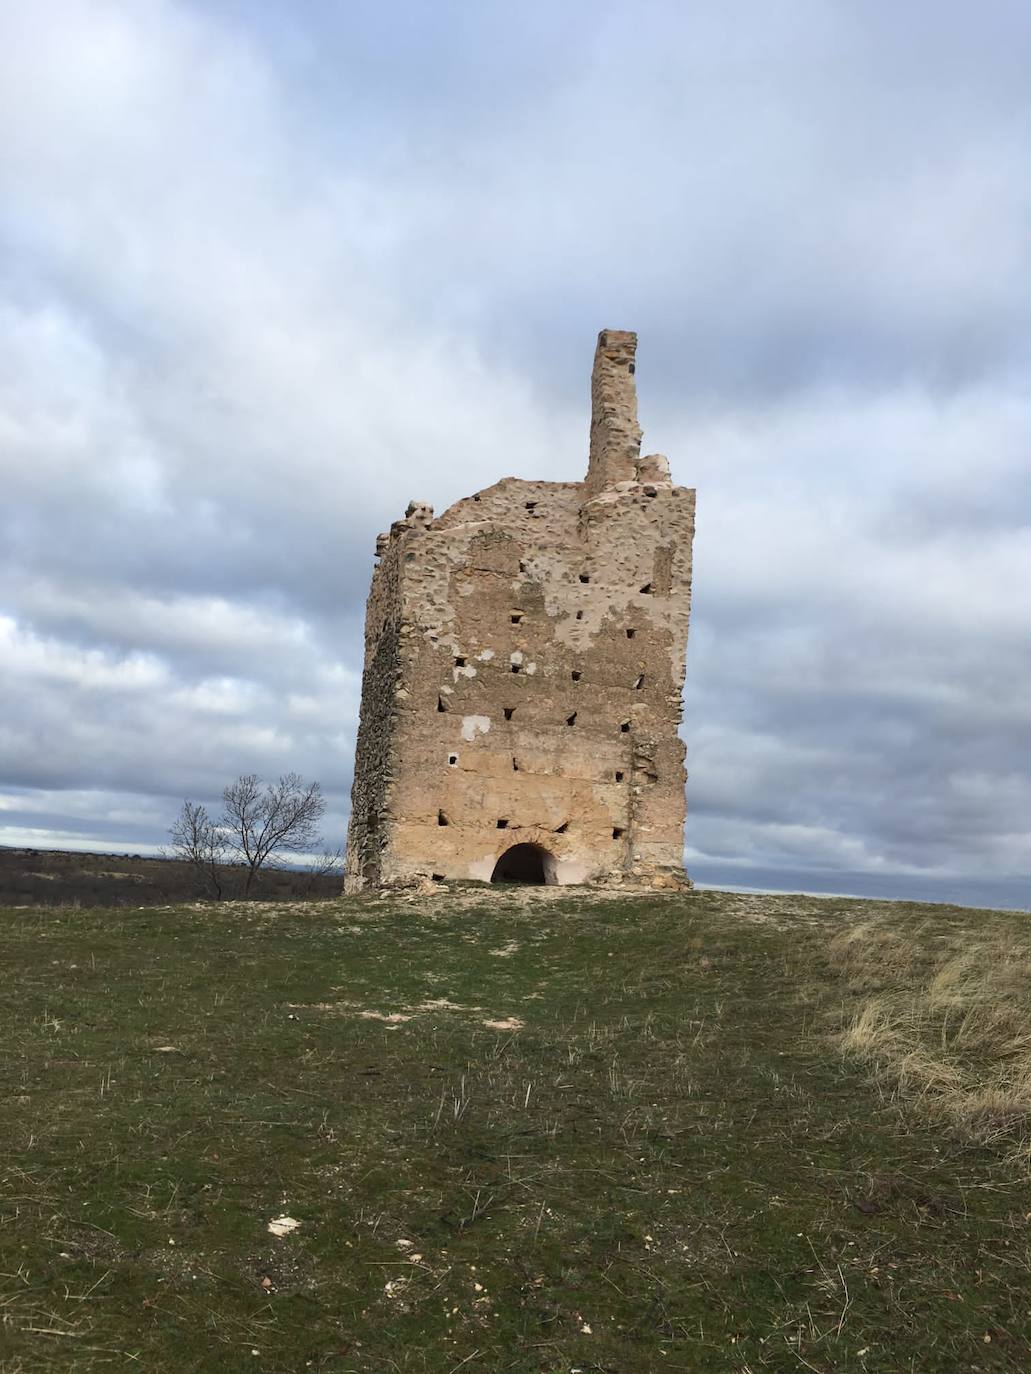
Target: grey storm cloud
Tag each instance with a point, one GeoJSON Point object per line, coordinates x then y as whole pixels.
{"type": "Point", "coordinates": [267, 272]}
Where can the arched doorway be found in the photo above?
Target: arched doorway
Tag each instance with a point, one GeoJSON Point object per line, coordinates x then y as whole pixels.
{"type": "Point", "coordinates": [525, 863]}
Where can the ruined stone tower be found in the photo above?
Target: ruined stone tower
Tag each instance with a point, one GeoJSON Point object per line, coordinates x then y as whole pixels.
{"type": "Point", "coordinates": [524, 660]}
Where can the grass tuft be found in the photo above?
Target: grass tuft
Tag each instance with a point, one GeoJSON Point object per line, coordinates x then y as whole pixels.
{"type": "Point", "coordinates": [949, 1025]}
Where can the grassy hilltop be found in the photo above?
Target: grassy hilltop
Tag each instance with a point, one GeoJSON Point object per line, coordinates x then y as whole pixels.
{"type": "Point", "coordinates": [529, 1130]}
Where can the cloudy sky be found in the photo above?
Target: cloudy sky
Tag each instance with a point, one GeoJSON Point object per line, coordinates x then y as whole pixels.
{"type": "Point", "coordinates": [268, 270]}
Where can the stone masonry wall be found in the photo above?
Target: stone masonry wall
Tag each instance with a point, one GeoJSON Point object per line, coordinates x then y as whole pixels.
{"type": "Point", "coordinates": [382, 681]}
{"type": "Point", "coordinates": [524, 666]}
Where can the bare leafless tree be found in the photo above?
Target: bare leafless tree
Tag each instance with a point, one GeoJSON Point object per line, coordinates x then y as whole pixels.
{"type": "Point", "coordinates": [260, 823]}
{"type": "Point", "coordinates": [197, 840]}
{"type": "Point", "coordinates": [329, 864]}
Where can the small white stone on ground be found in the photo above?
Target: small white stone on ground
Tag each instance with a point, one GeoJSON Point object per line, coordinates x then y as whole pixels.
{"type": "Point", "coordinates": [283, 1226]}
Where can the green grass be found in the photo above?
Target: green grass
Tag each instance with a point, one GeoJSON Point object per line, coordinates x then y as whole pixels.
{"type": "Point", "coordinates": [671, 1165]}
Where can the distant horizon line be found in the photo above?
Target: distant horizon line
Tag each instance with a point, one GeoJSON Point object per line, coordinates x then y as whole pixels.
{"type": "Point", "coordinates": [157, 853]}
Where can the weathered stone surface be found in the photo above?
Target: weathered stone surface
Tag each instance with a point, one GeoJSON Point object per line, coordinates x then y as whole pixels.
{"type": "Point", "coordinates": [524, 662]}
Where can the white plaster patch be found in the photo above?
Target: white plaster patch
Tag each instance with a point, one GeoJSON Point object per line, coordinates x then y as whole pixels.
{"type": "Point", "coordinates": [571, 872]}
{"type": "Point", "coordinates": [482, 868]}
{"type": "Point", "coordinates": [516, 657]}
{"type": "Point", "coordinates": [467, 671]}
{"type": "Point", "coordinates": [485, 655]}
{"type": "Point", "coordinates": [531, 668]}
{"type": "Point", "coordinates": [473, 726]}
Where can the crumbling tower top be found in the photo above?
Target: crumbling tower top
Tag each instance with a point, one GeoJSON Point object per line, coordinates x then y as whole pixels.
{"type": "Point", "coordinates": [615, 433]}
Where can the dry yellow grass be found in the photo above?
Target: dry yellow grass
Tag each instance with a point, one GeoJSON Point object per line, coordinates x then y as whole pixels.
{"type": "Point", "coordinates": [945, 1020]}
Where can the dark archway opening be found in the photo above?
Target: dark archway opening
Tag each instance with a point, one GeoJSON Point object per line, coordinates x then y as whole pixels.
{"type": "Point", "coordinates": [524, 863]}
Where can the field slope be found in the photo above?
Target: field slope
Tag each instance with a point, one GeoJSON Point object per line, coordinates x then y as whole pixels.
{"type": "Point", "coordinates": [524, 1131]}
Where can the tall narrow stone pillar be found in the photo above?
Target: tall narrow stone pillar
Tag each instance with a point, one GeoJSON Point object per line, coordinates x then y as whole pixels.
{"type": "Point", "coordinates": [615, 433]}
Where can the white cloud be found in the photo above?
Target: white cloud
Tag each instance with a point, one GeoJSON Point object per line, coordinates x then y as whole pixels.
{"type": "Point", "coordinates": [26, 656]}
